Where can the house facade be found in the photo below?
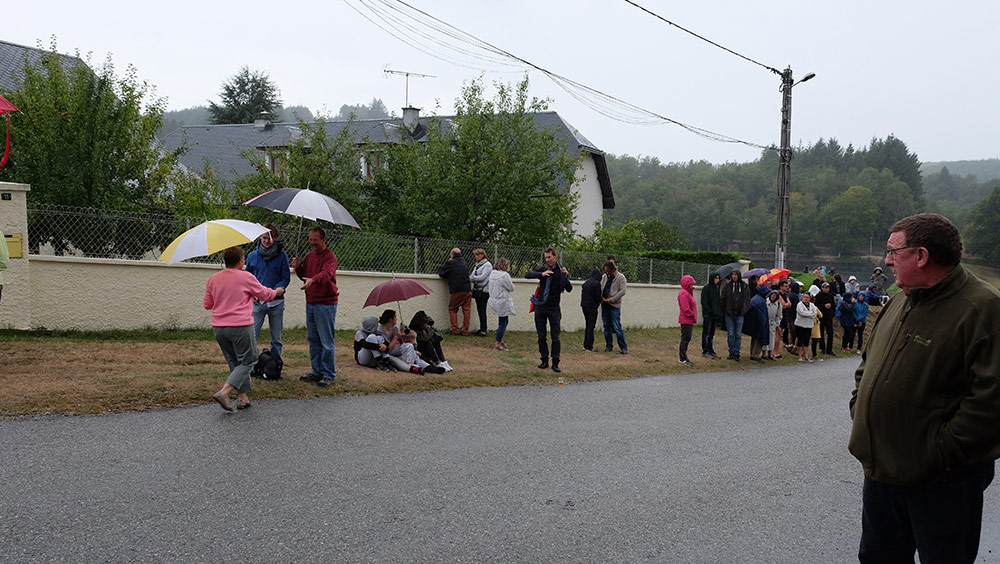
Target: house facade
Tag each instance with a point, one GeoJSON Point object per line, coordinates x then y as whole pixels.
{"type": "Point", "coordinates": [221, 145]}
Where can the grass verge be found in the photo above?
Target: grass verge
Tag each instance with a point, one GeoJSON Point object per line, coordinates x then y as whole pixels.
{"type": "Point", "coordinates": [77, 373]}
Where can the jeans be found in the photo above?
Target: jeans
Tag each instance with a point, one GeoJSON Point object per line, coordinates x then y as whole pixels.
{"type": "Point", "coordinates": [708, 335]}
{"type": "Point", "coordinates": [275, 322]}
{"type": "Point", "coordinates": [553, 316]}
{"type": "Point", "coordinates": [826, 332]}
{"type": "Point", "coordinates": [612, 319]}
{"type": "Point", "coordinates": [482, 298]}
{"type": "Point", "coordinates": [320, 322]}
{"type": "Point", "coordinates": [239, 348]}
{"type": "Point", "coordinates": [941, 520]}
{"type": "Point", "coordinates": [734, 329]}
{"type": "Point", "coordinates": [501, 327]}
{"type": "Point", "coordinates": [463, 301]}
{"type": "Point", "coordinates": [590, 320]}
{"type": "Point", "coordinates": [685, 339]}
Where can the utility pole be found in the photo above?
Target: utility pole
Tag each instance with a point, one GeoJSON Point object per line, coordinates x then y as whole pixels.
{"type": "Point", "coordinates": [785, 164]}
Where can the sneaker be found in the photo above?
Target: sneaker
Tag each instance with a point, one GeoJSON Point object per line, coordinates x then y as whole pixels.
{"type": "Point", "coordinates": [844, 349]}
{"type": "Point", "coordinates": [311, 377]}
{"type": "Point", "coordinates": [810, 360]}
{"type": "Point", "coordinates": [706, 355]}
{"type": "Point", "coordinates": [713, 355]}
{"type": "Point", "coordinates": [609, 349]}
{"type": "Point", "coordinates": [755, 359]}
{"type": "Point", "coordinates": [325, 382]}
{"type": "Point", "coordinates": [444, 364]}
{"type": "Point", "coordinates": [859, 351]}
{"type": "Point", "coordinates": [625, 352]}
{"type": "Point", "coordinates": [434, 369]}
{"type": "Point", "coordinates": [687, 363]}
{"type": "Point", "coordinates": [802, 359]}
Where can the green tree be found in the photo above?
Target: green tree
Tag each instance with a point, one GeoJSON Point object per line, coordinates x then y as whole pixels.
{"type": "Point", "coordinates": [632, 237]}
{"type": "Point", "coordinates": [491, 175]}
{"type": "Point", "coordinates": [850, 218]}
{"type": "Point", "coordinates": [375, 110]}
{"type": "Point", "coordinates": [982, 228]}
{"type": "Point", "coordinates": [244, 97]}
{"type": "Point", "coordinates": [86, 139]}
{"type": "Point", "coordinates": [314, 160]}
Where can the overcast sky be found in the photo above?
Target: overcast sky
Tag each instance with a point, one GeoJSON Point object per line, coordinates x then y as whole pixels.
{"type": "Point", "coordinates": [923, 71]}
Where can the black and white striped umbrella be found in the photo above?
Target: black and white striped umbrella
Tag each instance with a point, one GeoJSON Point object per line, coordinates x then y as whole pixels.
{"type": "Point", "coordinates": [304, 203]}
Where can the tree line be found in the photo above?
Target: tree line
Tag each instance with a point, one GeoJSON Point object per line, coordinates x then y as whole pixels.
{"type": "Point", "coordinates": [842, 199]}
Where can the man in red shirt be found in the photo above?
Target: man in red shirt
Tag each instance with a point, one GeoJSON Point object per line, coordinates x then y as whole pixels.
{"type": "Point", "coordinates": [319, 273]}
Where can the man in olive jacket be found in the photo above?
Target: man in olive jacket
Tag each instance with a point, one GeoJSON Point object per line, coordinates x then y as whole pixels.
{"type": "Point", "coordinates": [926, 406]}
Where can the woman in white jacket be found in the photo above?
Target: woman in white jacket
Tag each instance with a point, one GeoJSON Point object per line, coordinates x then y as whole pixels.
{"type": "Point", "coordinates": [501, 301]}
{"type": "Point", "coordinates": [480, 278]}
{"type": "Point", "coordinates": [805, 313]}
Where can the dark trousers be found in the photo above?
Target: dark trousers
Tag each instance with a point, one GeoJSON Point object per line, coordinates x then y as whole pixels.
{"type": "Point", "coordinates": [685, 339]}
{"type": "Point", "coordinates": [861, 333]}
{"type": "Point", "coordinates": [590, 321]}
{"type": "Point", "coordinates": [481, 300]}
{"type": "Point", "coordinates": [552, 316]}
{"type": "Point", "coordinates": [848, 341]}
{"type": "Point", "coordinates": [826, 332]}
{"type": "Point", "coordinates": [941, 521]}
{"type": "Point", "coordinates": [707, 335]}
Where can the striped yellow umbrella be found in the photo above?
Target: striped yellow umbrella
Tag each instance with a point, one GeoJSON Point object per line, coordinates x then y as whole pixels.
{"type": "Point", "coordinates": [211, 237]}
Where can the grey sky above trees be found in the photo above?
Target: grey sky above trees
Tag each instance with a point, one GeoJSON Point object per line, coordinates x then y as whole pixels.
{"type": "Point", "coordinates": [916, 69]}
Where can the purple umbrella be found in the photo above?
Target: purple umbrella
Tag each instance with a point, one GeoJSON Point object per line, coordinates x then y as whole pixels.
{"type": "Point", "coordinates": [757, 271]}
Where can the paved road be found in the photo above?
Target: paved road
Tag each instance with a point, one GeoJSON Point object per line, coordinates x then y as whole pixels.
{"type": "Point", "coordinates": [728, 467]}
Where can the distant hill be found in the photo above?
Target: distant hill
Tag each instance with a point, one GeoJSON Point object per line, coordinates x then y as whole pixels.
{"type": "Point", "coordinates": [983, 170]}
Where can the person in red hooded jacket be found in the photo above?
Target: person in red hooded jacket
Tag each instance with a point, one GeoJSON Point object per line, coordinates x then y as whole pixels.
{"type": "Point", "coordinates": [688, 316]}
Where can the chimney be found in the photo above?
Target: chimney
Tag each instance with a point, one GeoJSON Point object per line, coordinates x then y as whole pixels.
{"type": "Point", "coordinates": [262, 121]}
{"type": "Point", "coordinates": [411, 117]}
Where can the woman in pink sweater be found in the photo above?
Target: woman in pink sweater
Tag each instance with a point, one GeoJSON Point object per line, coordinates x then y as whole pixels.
{"type": "Point", "coordinates": [230, 295]}
{"type": "Point", "coordinates": [688, 316]}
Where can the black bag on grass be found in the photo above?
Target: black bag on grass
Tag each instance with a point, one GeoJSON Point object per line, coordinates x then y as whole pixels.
{"type": "Point", "coordinates": [268, 366]}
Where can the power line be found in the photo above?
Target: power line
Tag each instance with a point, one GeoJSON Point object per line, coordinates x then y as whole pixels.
{"type": "Point", "coordinates": [605, 104]}
{"type": "Point", "coordinates": [705, 39]}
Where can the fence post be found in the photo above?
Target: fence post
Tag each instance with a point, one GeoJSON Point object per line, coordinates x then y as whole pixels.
{"type": "Point", "coordinates": [496, 252]}
{"type": "Point", "coordinates": [682, 269]}
{"type": "Point", "coordinates": [650, 271]}
{"type": "Point", "coordinates": [416, 251]}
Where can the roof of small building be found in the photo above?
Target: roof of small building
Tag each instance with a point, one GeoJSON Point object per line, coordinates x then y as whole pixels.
{"type": "Point", "coordinates": [220, 145]}
{"type": "Point", "coordinates": [12, 63]}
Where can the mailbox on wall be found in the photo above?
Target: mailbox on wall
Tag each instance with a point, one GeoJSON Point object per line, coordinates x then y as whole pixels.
{"type": "Point", "coordinates": [14, 245]}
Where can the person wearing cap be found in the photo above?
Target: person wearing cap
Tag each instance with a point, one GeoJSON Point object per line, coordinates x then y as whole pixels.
{"type": "Point", "coordinates": [852, 287]}
{"type": "Point", "coordinates": [827, 305]}
{"type": "Point", "coordinates": [879, 280]}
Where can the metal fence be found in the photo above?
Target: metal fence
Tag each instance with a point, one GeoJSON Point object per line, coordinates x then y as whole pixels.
{"type": "Point", "coordinates": [86, 232]}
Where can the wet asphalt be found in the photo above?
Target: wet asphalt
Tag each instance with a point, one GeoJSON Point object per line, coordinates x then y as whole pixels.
{"type": "Point", "coordinates": [748, 466]}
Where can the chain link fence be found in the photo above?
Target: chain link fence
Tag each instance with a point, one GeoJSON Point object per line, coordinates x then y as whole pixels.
{"type": "Point", "coordinates": [86, 232]}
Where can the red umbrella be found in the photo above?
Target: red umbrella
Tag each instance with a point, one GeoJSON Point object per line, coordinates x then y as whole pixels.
{"type": "Point", "coordinates": [396, 290]}
{"type": "Point", "coordinates": [6, 108]}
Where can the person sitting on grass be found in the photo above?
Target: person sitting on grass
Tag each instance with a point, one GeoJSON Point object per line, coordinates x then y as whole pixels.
{"type": "Point", "coordinates": [230, 295]}
{"type": "Point", "coordinates": [429, 340]}
{"type": "Point", "coordinates": [395, 348]}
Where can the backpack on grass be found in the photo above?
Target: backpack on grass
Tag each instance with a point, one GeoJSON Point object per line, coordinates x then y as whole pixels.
{"type": "Point", "coordinates": [268, 366]}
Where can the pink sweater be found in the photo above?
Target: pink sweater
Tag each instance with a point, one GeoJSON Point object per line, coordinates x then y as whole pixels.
{"type": "Point", "coordinates": [230, 293]}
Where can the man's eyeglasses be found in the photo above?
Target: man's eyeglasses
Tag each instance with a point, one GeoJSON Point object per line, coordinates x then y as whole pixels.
{"type": "Point", "coordinates": [892, 252]}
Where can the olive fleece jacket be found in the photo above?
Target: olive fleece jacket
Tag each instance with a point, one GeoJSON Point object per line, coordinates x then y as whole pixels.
{"type": "Point", "coordinates": [927, 395]}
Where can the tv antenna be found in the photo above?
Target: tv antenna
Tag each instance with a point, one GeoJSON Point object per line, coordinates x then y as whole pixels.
{"type": "Point", "coordinates": [407, 74]}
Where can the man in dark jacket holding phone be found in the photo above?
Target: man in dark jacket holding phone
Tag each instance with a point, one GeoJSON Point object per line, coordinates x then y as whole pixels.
{"type": "Point", "coordinates": [553, 279]}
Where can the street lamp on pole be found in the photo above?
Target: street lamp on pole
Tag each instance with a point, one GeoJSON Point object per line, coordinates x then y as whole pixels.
{"type": "Point", "coordinates": [785, 166]}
